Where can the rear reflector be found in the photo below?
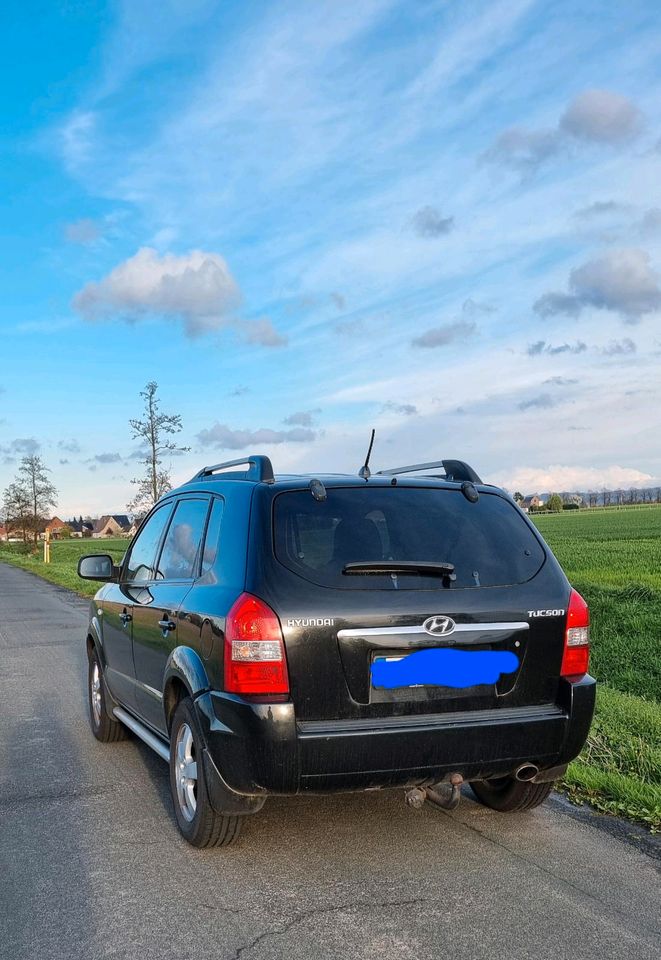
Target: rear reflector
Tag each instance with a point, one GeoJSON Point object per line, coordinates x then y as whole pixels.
{"type": "Point", "coordinates": [255, 661]}
{"type": "Point", "coordinates": [576, 656]}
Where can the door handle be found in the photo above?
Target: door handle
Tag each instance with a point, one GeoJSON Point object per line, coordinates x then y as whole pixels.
{"type": "Point", "coordinates": [125, 617]}
{"type": "Point", "coordinates": [167, 624]}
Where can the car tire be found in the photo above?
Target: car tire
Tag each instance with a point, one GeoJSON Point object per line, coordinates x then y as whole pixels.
{"type": "Point", "coordinates": [103, 726]}
{"type": "Point", "coordinates": [198, 822]}
{"type": "Point", "coordinates": [509, 795]}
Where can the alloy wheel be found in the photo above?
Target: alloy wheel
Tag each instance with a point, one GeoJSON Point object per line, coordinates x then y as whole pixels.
{"type": "Point", "coordinates": [186, 772]}
{"type": "Point", "coordinates": [95, 694]}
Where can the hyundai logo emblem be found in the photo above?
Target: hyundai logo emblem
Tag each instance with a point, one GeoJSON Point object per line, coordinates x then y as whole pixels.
{"type": "Point", "coordinates": [438, 626]}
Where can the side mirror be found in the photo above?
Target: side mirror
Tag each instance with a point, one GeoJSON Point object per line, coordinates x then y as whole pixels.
{"type": "Point", "coordinates": [97, 566]}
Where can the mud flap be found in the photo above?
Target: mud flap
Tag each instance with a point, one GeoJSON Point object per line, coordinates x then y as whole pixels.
{"type": "Point", "coordinates": [223, 799]}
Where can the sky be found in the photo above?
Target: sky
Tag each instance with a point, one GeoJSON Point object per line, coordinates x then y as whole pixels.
{"type": "Point", "coordinates": [304, 220]}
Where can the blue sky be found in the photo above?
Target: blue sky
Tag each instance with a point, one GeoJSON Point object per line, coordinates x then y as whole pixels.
{"type": "Point", "coordinates": [303, 220]}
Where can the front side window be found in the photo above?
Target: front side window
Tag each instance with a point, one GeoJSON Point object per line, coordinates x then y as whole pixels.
{"type": "Point", "coordinates": [141, 562]}
{"type": "Point", "coordinates": [488, 543]}
{"type": "Point", "coordinates": [178, 560]}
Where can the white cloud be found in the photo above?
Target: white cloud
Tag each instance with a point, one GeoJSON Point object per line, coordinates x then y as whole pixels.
{"type": "Point", "coordinates": [428, 222]}
{"type": "Point", "coordinates": [543, 401]}
{"type": "Point", "coordinates": [622, 281]}
{"type": "Point", "coordinates": [603, 117]}
{"type": "Point", "coordinates": [405, 409]}
{"type": "Point", "coordinates": [105, 458]}
{"type": "Point", "coordinates": [566, 478]}
{"type": "Point", "coordinates": [542, 347]}
{"type": "Point", "coordinates": [223, 437]}
{"type": "Point", "coordinates": [21, 447]}
{"type": "Point", "coordinates": [523, 149]}
{"type": "Point", "coordinates": [650, 222]}
{"type": "Point", "coordinates": [446, 334]}
{"type": "Point", "coordinates": [600, 208]}
{"type": "Point", "coordinates": [618, 348]}
{"type": "Point", "coordinates": [262, 333]}
{"type": "Point", "coordinates": [26, 446]}
{"type": "Point", "coordinates": [69, 446]}
{"type": "Point", "coordinates": [302, 418]}
{"type": "Point", "coordinates": [76, 138]}
{"type": "Point", "coordinates": [596, 116]}
{"type": "Point", "coordinates": [196, 288]}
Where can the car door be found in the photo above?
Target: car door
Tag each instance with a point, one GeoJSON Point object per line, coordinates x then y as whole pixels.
{"type": "Point", "coordinates": [155, 616]}
{"type": "Point", "coordinates": [118, 604]}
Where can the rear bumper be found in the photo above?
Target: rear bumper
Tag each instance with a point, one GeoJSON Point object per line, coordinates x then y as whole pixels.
{"type": "Point", "coordinates": [260, 748]}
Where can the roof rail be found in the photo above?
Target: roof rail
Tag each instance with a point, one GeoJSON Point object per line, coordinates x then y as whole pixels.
{"type": "Point", "coordinates": [260, 470]}
{"type": "Point", "coordinates": [455, 470]}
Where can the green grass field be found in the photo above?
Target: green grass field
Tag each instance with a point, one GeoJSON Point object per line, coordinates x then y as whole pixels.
{"type": "Point", "coordinates": [613, 557]}
{"type": "Point", "coordinates": [64, 560]}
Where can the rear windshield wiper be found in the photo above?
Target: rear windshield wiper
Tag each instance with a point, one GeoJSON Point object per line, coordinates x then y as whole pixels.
{"type": "Point", "coordinates": [419, 568]}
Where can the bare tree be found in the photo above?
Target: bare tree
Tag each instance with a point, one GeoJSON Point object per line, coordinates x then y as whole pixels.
{"type": "Point", "coordinates": [154, 430]}
{"type": "Point", "coordinates": [16, 508]}
{"type": "Point", "coordinates": [32, 485]}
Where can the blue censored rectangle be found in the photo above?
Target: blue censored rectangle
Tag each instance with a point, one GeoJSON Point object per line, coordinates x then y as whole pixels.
{"type": "Point", "coordinates": [443, 668]}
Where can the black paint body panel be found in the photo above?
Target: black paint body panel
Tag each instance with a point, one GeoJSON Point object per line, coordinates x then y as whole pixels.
{"type": "Point", "coordinates": [334, 732]}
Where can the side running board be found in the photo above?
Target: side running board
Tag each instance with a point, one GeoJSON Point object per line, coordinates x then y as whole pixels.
{"type": "Point", "coordinates": [157, 745]}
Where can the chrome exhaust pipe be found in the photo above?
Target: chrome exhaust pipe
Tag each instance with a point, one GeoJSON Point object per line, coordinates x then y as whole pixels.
{"type": "Point", "coordinates": [526, 772]}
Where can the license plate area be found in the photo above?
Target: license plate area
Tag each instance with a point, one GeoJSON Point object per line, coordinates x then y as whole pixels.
{"type": "Point", "coordinates": [359, 646]}
{"type": "Point", "coordinates": [442, 673]}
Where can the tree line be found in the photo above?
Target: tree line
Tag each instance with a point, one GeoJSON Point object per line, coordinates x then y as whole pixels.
{"type": "Point", "coordinates": [28, 500]}
{"type": "Point", "coordinates": [595, 498]}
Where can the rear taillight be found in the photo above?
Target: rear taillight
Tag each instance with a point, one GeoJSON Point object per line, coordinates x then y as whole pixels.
{"type": "Point", "coordinates": [576, 654]}
{"type": "Point", "coordinates": [255, 660]}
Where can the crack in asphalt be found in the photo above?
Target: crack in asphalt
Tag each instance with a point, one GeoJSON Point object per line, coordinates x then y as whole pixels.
{"type": "Point", "coordinates": [555, 876]}
{"type": "Point", "coordinates": [51, 796]}
{"type": "Point", "coordinates": [320, 911]}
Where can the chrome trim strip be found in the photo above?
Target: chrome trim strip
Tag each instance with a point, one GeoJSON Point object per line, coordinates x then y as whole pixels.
{"type": "Point", "coordinates": [418, 631]}
{"type": "Point", "coordinates": [157, 745]}
{"type": "Point", "coordinates": [308, 729]}
{"type": "Point", "coordinates": [155, 693]}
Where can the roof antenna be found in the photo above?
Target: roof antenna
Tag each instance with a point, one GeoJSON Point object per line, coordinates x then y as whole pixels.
{"type": "Point", "coordinates": [364, 471]}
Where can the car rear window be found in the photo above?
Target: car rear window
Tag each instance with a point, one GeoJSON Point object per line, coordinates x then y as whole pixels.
{"type": "Point", "coordinates": [489, 542]}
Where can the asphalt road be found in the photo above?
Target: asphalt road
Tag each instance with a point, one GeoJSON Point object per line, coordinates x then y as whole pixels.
{"type": "Point", "coordinates": [91, 864]}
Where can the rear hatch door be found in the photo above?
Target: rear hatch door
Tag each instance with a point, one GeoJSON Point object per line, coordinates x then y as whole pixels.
{"type": "Point", "coordinates": [440, 616]}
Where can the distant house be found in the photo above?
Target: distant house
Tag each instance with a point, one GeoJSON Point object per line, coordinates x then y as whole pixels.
{"type": "Point", "coordinates": [81, 528]}
{"type": "Point", "coordinates": [55, 529]}
{"type": "Point", "coordinates": [111, 525]}
{"type": "Point", "coordinates": [133, 529]}
{"type": "Point", "coordinates": [10, 534]}
{"type": "Point", "coordinates": [531, 503]}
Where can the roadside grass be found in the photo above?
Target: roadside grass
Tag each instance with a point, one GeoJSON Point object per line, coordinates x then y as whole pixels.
{"type": "Point", "coordinates": [619, 770]}
{"type": "Point", "coordinates": [62, 569]}
{"type": "Point", "coordinates": [613, 558]}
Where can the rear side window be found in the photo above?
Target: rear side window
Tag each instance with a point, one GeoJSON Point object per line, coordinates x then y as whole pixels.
{"type": "Point", "coordinates": [212, 539]}
{"type": "Point", "coordinates": [488, 542]}
{"type": "Point", "coordinates": [178, 560]}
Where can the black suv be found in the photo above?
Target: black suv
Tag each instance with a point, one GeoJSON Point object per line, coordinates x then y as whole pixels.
{"type": "Point", "coordinates": [278, 635]}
